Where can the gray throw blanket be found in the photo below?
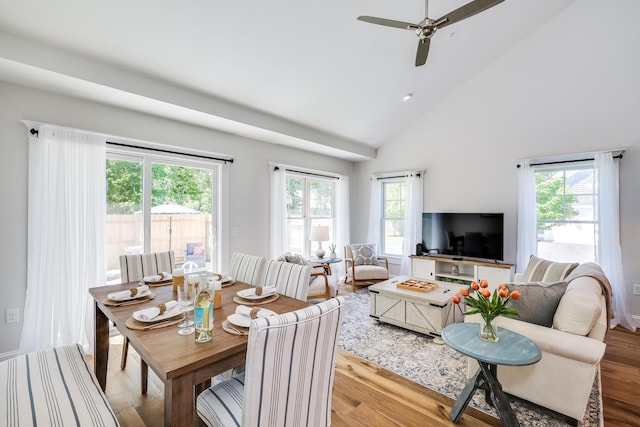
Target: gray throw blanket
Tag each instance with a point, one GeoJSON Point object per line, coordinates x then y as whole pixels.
{"type": "Point", "coordinates": [591, 269]}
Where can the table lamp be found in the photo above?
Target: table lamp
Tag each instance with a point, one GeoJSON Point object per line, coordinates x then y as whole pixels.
{"type": "Point", "coordinates": [320, 233]}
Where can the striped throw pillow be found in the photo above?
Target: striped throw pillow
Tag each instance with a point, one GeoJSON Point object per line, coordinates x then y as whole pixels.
{"type": "Point", "coordinates": [545, 271]}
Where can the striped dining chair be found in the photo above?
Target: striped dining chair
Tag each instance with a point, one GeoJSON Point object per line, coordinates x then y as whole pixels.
{"type": "Point", "coordinates": [289, 279]}
{"type": "Point", "coordinates": [132, 269]}
{"type": "Point", "coordinates": [275, 390]}
{"type": "Point", "coordinates": [135, 267]}
{"type": "Point", "coordinates": [247, 268]}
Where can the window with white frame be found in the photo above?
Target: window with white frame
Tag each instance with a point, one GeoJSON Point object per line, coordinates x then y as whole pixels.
{"type": "Point", "coordinates": [158, 203]}
{"type": "Point", "coordinates": [310, 202]}
{"type": "Point", "coordinates": [566, 211]}
{"type": "Point", "coordinates": [393, 197]}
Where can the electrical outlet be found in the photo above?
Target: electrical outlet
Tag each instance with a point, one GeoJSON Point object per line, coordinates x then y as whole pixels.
{"type": "Point", "coordinates": [636, 289]}
{"type": "Point", "coordinates": [13, 315]}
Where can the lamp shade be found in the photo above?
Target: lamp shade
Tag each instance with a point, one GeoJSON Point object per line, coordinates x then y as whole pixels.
{"type": "Point", "coordinates": [320, 233]}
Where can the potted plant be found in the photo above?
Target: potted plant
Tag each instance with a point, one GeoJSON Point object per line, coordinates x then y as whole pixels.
{"type": "Point", "coordinates": [332, 248]}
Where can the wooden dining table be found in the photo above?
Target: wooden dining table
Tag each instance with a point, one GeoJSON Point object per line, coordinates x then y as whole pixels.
{"type": "Point", "coordinates": [184, 366]}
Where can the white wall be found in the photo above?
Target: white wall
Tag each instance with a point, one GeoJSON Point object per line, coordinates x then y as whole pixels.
{"type": "Point", "coordinates": [571, 87]}
{"type": "Point", "coordinates": [248, 176]}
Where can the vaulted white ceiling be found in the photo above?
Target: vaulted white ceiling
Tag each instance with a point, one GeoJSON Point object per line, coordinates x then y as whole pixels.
{"type": "Point", "coordinates": [305, 74]}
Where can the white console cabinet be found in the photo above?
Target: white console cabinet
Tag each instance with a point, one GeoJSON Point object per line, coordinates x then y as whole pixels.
{"type": "Point", "coordinates": [462, 271]}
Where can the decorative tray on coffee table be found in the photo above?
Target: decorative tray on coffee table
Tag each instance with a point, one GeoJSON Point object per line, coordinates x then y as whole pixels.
{"type": "Point", "coordinates": [417, 285]}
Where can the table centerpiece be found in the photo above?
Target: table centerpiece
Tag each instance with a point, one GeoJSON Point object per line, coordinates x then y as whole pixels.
{"type": "Point", "coordinates": [481, 300]}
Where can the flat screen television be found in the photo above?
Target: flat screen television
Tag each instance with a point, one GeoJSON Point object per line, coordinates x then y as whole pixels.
{"type": "Point", "coordinates": [473, 235]}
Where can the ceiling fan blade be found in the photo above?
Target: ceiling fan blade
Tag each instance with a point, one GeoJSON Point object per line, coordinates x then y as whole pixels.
{"type": "Point", "coordinates": [388, 22]}
{"type": "Point", "coordinates": [465, 11]}
{"type": "Point", "coordinates": [423, 51]}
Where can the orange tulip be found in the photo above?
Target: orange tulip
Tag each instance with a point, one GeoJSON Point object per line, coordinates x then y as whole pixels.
{"type": "Point", "coordinates": [484, 283]}
{"type": "Point", "coordinates": [503, 292]}
{"type": "Point", "coordinates": [475, 286]}
{"type": "Point", "coordinates": [464, 292]}
{"type": "Point", "coordinates": [485, 293]}
{"type": "Point", "coordinates": [455, 299]}
{"type": "Point", "coordinates": [516, 294]}
{"type": "Point", "coordinates": [502, 286]}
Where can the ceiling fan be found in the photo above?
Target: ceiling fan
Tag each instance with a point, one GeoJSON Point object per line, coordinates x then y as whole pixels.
{"type": "Point", "coordinates": [426, 28]}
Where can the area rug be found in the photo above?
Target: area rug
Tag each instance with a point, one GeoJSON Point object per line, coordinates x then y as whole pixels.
{"type": "Point", "coordinates": [437, 367]}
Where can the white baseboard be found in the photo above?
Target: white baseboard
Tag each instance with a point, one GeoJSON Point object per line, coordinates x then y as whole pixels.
{"type": "Point", "coordinates": [636, 320]}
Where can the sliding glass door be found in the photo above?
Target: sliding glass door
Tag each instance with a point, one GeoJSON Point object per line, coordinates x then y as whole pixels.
{"type": "Point", "coordinates": [158, 204]}
{"type": "Point", "coordinates": [181, 213]}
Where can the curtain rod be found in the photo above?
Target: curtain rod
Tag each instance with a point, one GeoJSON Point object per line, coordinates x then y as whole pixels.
{"type": "Point", "coordinates": [397, 176]}
{"type": "Point", "coordinates": [619, 156]}
{"type": "Point", "coordinates": [200, 156]}
{"type": "Point", "coordinates": [307, 173]}
{"type": "Point", "coordinates": [34, 131]}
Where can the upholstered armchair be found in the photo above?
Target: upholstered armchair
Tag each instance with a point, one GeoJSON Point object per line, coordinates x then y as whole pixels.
{"type": "Point", "coordinates": [324, 284]}
{"type": "Point", "coordinates": [363, 266]}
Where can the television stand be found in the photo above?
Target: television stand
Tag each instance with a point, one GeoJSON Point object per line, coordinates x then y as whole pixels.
{"type": "Point", "coordinates": [466, 270]}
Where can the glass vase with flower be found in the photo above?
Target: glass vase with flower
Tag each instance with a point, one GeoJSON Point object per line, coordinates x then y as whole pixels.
{"type": "Point", "coordinates": [480, 300]}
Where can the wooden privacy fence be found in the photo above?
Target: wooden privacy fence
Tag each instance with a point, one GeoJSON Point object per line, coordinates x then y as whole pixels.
{"type": "Point", "coordinates": [124, 234]}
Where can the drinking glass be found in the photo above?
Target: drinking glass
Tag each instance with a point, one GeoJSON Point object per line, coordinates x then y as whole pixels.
{"type": "Point", "coordinates": [185, 301]}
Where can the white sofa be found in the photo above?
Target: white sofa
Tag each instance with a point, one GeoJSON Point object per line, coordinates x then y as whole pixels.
{"type": "Point", "coordinates": [571, 350]}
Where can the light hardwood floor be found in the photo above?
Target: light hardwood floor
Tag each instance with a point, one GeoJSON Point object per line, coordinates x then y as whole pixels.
{"type": "Point", "coordinates": [366, 395]}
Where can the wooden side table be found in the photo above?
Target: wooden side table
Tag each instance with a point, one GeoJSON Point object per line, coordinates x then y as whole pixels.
{"type": "Point", "coordinates": [513, 349]}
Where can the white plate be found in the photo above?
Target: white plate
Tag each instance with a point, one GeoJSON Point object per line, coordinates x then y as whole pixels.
{"type": "Point", "coordinates": [175, 311]}
{"type": "Point", "coordinates": [243, 320]}
{"type": "Point", "coordinates": [127, 298]}
{"type": "Point", "coordinates": [239, 320]}
{"type": "Point", "coordinates": [227, 279]}
{"type": "Point", "coordinates": [251, 294]}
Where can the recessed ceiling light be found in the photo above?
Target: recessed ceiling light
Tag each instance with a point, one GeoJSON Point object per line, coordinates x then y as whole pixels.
{"type": "Point", "coordinates": [407, 97]}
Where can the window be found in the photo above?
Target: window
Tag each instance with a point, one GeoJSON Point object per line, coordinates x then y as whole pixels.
{"type": "Point", "coordinates": [566, 214]}
{"type": "Point", "coordinates": [310, 202]}
{"type": "Point", "coordinates": [394, 192]}
{"type": "Point", "coordinates": [157, 203]}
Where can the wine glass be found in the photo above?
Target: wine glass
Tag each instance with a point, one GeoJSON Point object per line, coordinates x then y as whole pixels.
{"type": "Point", "coordinates": [185, 301]}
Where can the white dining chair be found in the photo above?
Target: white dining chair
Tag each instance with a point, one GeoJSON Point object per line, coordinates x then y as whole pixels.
{"type": "Point", "coordinates": [275, 390]}
{"type": "Point", "coordinates": [289, 279]}
{"type": "Point", "coordinates": [247, 268]}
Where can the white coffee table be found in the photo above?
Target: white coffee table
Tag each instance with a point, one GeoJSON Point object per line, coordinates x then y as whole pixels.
{"type": "Point", "coordinates": [427, 313]}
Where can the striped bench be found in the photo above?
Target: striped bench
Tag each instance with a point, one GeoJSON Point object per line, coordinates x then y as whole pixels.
{"type": "Point", "coordinates": [53, 387]}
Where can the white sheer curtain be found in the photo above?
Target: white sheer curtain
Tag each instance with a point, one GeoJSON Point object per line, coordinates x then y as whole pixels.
{"type": "Point", "coordinates": [343, 222]}
{"type": "Point", "coordinates": [412, 218]}
{"type": "Point", "coordinates": [375, 208]}
{"type": "Point", "coordinates": [278, 229]}
{"type": "Point", "coordinates": [66, 223]}
{"type": "Point", "coordinates": [526, 237]}
{"type": "Point", "coordinates": [609, 250]}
